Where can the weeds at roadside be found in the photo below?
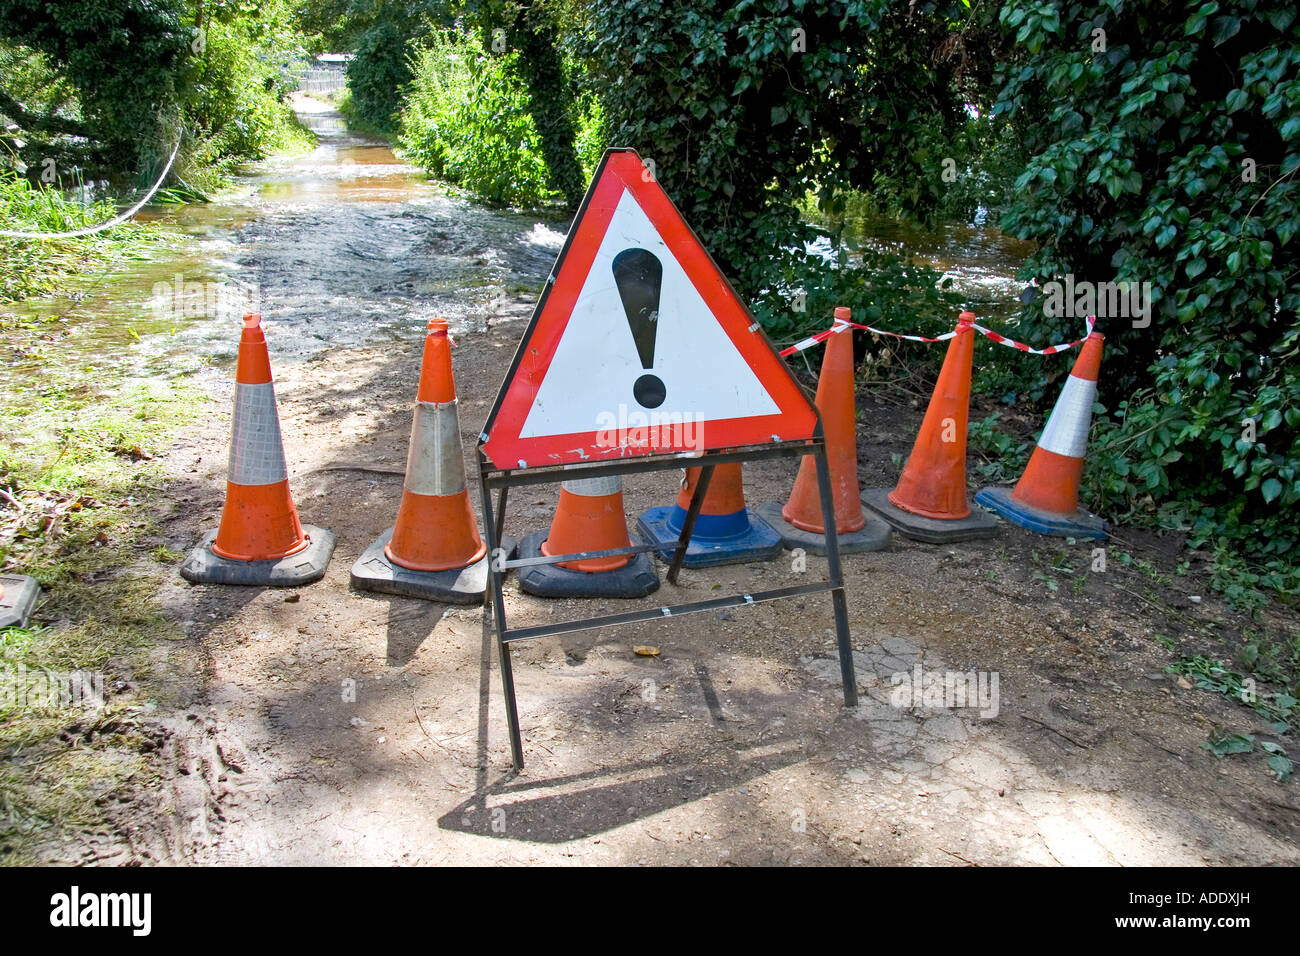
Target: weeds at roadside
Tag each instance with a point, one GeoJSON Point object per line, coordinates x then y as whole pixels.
{"type": "Point", "coordinates": [36, 267]}
{"type": "Point", "coordinates": [1276, 663]}
{"type": "Point", "coordinates": [77, 478]}
{"type": "Point", "coordinates": [1144, 567]}
{"type": "Point", "coordinates": [1003, 457]}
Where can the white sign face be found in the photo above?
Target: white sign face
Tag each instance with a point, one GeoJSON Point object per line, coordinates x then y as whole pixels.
{"type": "Point", "coordinates": [597, 362]}
{"type": "Point", "coordinates": [639, 345]}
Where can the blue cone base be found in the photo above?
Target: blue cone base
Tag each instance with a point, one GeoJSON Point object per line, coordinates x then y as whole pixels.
{"type": "Point", "coordinates": [205, 566]}
{"type": "Point", "coordinates": [1079, 525]}
{"type": "Point", "coordinates": [718, 539]}
{"type": "Point", "coordinates": [635, 579]}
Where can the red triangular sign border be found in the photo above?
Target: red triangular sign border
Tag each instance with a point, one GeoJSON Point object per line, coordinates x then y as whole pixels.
{"type": "Point", "coordinates": [501, 440]}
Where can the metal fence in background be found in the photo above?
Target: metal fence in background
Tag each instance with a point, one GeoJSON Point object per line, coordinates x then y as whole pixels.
{"type": "Point", "coordinates": [325, 74]}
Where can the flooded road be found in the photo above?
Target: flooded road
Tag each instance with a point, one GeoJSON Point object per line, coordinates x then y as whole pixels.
{"type": "Point", "coordinates": [343, 246]}
{"type": "Point", "coordinates": [981, 260]}
{"type": "Point", "coordinates": [348, 246]}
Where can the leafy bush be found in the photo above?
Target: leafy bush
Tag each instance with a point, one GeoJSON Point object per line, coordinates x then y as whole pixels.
{"type": "Point", "coordinates": [592, 133]}
{"type": "Point", "coordinates": [131, 75]}
{"type": "Point", "coordinates": [377, 73]}
{"type": "Point", "coordinates": [27, 77]}
{"type": "Point", "coordinates": [884, 288]}
{"type": "Point", "coordinates": [236, 98]}
{"type": "Point", "coordinates": [325, 25]}
{"type": "Point", "coordinates": [384, 32]}
{"type": "Point", "coordinates": [466, 120]}
{"type": "Point", "coordinates": [987, 156]}
{"type": "Point", "coordinates": [1167, 154]}
{"type": "Point", "coordinates": [1004, 457]}
{"type": "Point", "coordinates": [124, 59]}
{"type": "Point", "coordinates": [473, 117]}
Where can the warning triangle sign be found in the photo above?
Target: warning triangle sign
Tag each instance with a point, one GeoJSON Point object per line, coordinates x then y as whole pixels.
{"type": "Point", "coordinates": [638, 344]}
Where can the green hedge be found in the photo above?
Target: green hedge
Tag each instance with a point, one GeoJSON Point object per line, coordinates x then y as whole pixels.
{"type": "Point", "coordinates": [1168, 155]}
{"type": "Point", "coordinates": [466, 118]}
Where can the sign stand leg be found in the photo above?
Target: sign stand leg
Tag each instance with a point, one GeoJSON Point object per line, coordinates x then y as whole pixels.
{"type": "Point", "coordinates": [688, 526]}
{"type": "Point", "coordinates": [497, 611]}
{"type": "Point", "coordinates": [501, 514]}
{"type": "Point", "coordinates": [847, 675]}
{"type": "Point", "coordinates": [512, 709]}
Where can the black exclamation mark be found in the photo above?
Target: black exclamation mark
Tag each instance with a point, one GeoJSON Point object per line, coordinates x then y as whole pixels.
{"type": "Point", "coordinates": [638, 275]}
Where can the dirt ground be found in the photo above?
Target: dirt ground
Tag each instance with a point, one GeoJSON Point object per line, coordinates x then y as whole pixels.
{"type": "Point", "coordinates": [731, 746]}
{"type": "Point", "coordinates": [741, 751]}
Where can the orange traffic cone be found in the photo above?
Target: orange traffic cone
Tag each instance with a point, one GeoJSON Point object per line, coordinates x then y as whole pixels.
{"type": "Point", "coordinates": [259, 540]}
{"type": "Point", "coordinates": [725, 532]}
{"type": "Point", "coordinates": [18, 594]}
{"type": "Point", "coordinates": [434, 550]}
{"type": "Point", "coordinates": [929, 502]}
{"type": "Point", "coordinates": [1046, 499]}
{"type": "Point", "coordinates": [800, 520]}
{"type": "Point", "coordinates": [589, 517]}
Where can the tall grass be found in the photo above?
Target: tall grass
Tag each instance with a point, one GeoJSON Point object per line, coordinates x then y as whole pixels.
{"type": "Point", "coordinates": [78, 500]}
{"type": "Point", "coordinates": [36, 266]}
{"type": "Point", "coordinates": [79, 497]}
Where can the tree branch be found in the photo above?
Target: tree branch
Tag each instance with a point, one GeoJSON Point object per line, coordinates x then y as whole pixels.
{"type": "Point", "coordinates": [38, 122]}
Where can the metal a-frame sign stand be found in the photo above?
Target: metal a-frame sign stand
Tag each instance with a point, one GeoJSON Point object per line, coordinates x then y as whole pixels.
{"type": "Point", "coordinates": [745, 440]}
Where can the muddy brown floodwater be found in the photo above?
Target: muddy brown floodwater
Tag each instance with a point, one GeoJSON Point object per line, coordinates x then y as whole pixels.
{"type": "Point", "coordinates": [333, 726]}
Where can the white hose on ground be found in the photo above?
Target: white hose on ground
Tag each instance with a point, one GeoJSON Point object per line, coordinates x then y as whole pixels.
{"type": "Point", "coordinates": [115, 221]}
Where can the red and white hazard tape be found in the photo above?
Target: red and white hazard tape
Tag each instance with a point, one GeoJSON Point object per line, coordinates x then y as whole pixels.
{"type": "Point", "coordinates": [840, 325]}
{"type": "Point", "coordinates": [1089, 323]}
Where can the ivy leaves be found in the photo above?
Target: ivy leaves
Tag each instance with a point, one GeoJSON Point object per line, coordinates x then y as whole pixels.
{"type": "Point", "coordinates": [1168, 157]}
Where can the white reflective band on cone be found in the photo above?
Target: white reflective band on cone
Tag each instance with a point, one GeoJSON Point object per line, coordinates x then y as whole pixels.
{"type": "Point", "coordinates": [1067, 427]}
{"type": "Point", "coordinates": [256, 455]}
{"type": "Point", "coordinates": [593, 487]}
{"type": "Point", "coordinates": [434, 465]}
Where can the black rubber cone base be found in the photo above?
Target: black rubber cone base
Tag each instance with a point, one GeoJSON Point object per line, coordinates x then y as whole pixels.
{"type": "Point", "coordinates": [375, 572]}
{"type": "Point", "coordinates": [204, 566]}
{"type": "Point", "coordinates": [979, 524]}
{"type": "Point", "coordinates": [635, 579]}
{"type": "Point", "coordinates": [1079, 525]}
{"type": "Point", "coordinates": [18, 599]}
{"type": "Point", "coordinates": [872, 536]}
